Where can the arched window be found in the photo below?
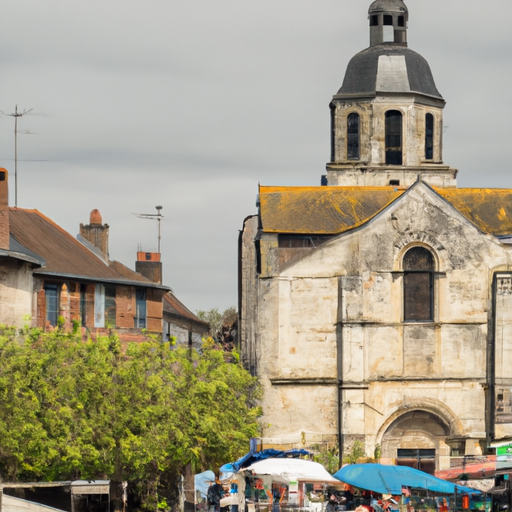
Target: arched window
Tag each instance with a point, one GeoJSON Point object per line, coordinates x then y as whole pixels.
{"type": "Point", "coordinates": [418, 267]}
{"type": "Point", "coordinates": [332, 106]}
{"type": "Point", "coordinates": [393, 137]}
{"type": "Point", "coordinates": [353, 122]}
{"type": "Point", "coordinates": [429, 137]}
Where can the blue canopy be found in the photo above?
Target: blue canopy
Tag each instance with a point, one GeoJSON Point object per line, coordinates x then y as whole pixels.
{"type": "Point", "coordinates": [203, 480]}
{"type": "Point", "coordinates": [249, 458]}
{"type": "Point", "coordinates": [391, 479]}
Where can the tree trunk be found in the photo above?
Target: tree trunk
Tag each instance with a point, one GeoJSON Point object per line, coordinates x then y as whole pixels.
{"type": "Point", "coordinates": [116, 484]}
{"type": "Point", "coordinates": [189, 489]}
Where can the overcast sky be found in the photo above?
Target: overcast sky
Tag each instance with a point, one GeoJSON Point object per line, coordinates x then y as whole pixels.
{"type": "Point", "coordinates": [189, 104]}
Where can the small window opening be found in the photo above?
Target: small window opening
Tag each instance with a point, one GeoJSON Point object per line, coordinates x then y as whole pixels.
{"type": "Point", "coordinates": [374, 20]}
{"type": "Point", "coordinates": [401, 21]}
{"type": "Point", "coordinates": [394, 183]}
{"type": "Point", "coordinates": [353, 123]}
{"type": "Point", "coordinates": [140, 309]}
{"type": "Point", "coordinates": [2, 176]}
{"type": "Point", "coordinates": [388, 19]}
{"type": "Point", "coordinates": [393, 137]}
{"type": "Point", "coordinates": [429, 137]}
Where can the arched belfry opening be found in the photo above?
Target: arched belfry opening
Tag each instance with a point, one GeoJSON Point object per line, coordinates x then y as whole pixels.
{"type": "Point", "coordinates": [417, 439]}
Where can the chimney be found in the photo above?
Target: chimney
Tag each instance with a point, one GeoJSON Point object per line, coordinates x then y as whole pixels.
{"type": "Point", "coordinates": [149, 265]}
{"type": "Point", "coordinates": [96, 233]}
{"type": "Point", "coordinates": [4, 209]}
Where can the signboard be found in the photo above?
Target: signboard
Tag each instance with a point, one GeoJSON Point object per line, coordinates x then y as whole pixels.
{"type": "Point", "coordinates": [504, 450]}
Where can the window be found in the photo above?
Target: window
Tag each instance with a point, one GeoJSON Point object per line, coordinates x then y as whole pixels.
{"type": "Point", "coordinates": [374, 20]}
{"type": "Point", "coordinates": [333, 132]}
{"type": "Point", "coordinates": [388, 19]}
{"type": "Point", "coordinates": [353, 136]}
{"type": "Point", "coordinates": [429, 137]}
{"type": "Point", "coordinates": [140, 309]}
{"type": "Point", "coordinates": [52, 303]}
{"type": "Point", "coordinates": [105, 306]}
{"type": "Point", "coordinates": [393, 137]}
{"type": "Point", "coordinates": [401, 21]}
{"type": "Point", "coordinates": [394, 183]}
{"type": "Point", "coordinates": [110, 305]}
{"type": "Point", "coordinates": [83, 304]}
{"type": "Point", "coordinates": [418, 266]}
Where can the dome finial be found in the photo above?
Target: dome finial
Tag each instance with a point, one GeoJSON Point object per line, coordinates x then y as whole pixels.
{"type": "Point", "coordinates": [388, 22]}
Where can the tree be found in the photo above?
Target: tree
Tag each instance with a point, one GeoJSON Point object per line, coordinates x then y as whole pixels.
{"type": "Point", "coordinates": [73, 409]}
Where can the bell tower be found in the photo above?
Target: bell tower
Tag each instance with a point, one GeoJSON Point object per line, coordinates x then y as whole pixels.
{"type": "Point", "coordinates": [387, 117]}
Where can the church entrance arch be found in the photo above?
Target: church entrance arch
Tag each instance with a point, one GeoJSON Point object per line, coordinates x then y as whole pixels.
{"type": "Point", "coordinates": [417, 439]}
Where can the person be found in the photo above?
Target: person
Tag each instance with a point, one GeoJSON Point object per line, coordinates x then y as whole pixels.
{"type": "Point", "coordinates": [214, 495]}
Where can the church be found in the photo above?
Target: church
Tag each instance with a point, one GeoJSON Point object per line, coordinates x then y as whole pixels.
{"type": "Point", "coordinates": [377, 308]}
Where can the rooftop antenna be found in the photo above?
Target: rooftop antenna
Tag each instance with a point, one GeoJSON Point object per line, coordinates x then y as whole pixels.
{"type": "Point", "coordinates": [154, 216]}
{"type": "Point", "coordinates": [16, 114]}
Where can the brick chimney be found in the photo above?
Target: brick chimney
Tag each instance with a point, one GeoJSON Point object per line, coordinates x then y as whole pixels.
{"type": "Point", "coordinates": [149, 265]}
{"type": "Point", "coordinates": [96, 233]}
{"type": "Point", "coordinates": [4, 209]}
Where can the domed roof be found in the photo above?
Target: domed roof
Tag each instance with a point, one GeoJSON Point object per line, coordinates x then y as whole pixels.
{"type": "Point", "coordinates": [388, 68]}
{"type": "Point", "coordinates": [388, 6]}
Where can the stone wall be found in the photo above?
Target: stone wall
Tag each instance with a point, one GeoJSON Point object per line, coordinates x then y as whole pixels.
{"type": "Point", "coordinates": [335, 317]}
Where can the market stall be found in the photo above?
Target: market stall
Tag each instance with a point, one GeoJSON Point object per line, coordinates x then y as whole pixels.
{"type": "Point", "coordinates": [274, 485]}
{"type": "Point", "coordinates": [406, 489]}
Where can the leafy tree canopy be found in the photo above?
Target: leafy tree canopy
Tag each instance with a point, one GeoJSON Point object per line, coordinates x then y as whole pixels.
{"type": "Point", "coordinates": [91, 409]}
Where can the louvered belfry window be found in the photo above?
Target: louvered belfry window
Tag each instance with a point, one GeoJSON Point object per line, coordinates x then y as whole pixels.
{"type": "Point", "coordinates": [418, 266]}
{"type": "Point", "coordinates": [353, 123]}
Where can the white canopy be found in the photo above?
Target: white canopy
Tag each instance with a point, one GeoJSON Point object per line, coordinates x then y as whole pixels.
{"type": "Point", "coordinates": [292, 469]}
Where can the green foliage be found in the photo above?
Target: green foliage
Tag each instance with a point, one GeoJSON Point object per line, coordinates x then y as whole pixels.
{"type": "Point", "coordinates": [357, 454]}
{"type": "Point", "coordinates": [90, 409]}
{"type": "Point", "coordinates": [215, 319]}
{"type": "Point", "coordinates": [328, 456]}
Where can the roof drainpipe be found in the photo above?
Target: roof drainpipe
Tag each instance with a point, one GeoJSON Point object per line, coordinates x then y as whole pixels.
{"type": "Point", "coordinates": [339, 363]}
{"type": "Point", "coordinates": [491, 367]}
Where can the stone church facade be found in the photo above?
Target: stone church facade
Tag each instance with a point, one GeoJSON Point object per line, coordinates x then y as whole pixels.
{"type": "Point", "coordinates": [378, 307]}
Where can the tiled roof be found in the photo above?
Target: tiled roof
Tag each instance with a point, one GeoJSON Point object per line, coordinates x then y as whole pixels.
{"type": "Point", "coordinates": [173, 306]}
{"type": "Point", "coordinates": [321, 210]}
{"type": "Point", "coordinates": [334, 210]}
{"type": "Point", "coordinates": [62, 254]}
{"type": "Point", "coordinates": [490, 209]}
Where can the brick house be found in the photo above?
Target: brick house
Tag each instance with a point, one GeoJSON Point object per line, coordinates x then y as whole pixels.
{"type": "Point", "coordinates": [45, 273]}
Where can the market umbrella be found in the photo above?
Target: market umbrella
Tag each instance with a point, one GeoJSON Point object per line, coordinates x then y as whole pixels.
{"type": "Point", "coordinates": [391, 479]}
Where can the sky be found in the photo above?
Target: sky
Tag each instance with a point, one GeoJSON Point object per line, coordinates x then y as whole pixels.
{"type": "Point", "coordinates": [189, 104]}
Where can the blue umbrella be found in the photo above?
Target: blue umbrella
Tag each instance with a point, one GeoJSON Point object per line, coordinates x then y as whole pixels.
{"type": "Point", "coordinates": [391, 479]}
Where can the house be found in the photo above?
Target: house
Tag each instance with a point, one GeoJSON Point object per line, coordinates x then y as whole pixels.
{"type": "Point", "coordinates": [377, 308]}
{"type": "Point", "coordinates": [186, 327]}
{"type": "Point", "coordinates": [45, 274]}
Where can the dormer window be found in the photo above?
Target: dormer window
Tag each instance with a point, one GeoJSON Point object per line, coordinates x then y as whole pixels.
{"type": "Point", "coordinates": [353, 122]}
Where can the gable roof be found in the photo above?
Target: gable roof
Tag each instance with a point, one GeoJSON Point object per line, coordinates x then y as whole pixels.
{"type": "Point", "coordinates": [176, 308]}
{"type": "Point", "coordinates": [63, 255]}
{"type": "Point", "coordinates": [490, 209]}
{"type": "Point", "coordinates": [334, 210]}
{"type": "Point", "coordinates": [321, 210]}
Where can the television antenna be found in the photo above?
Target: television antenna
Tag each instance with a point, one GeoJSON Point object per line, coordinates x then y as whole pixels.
{"type": "Point", "coordinates": [154, 216]}
{"type": "Point", "coordinates": [16, 114]}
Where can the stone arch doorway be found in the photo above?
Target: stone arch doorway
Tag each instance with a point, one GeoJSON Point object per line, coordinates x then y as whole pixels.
{"type": "Point", "coordinates": [418, 439]}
